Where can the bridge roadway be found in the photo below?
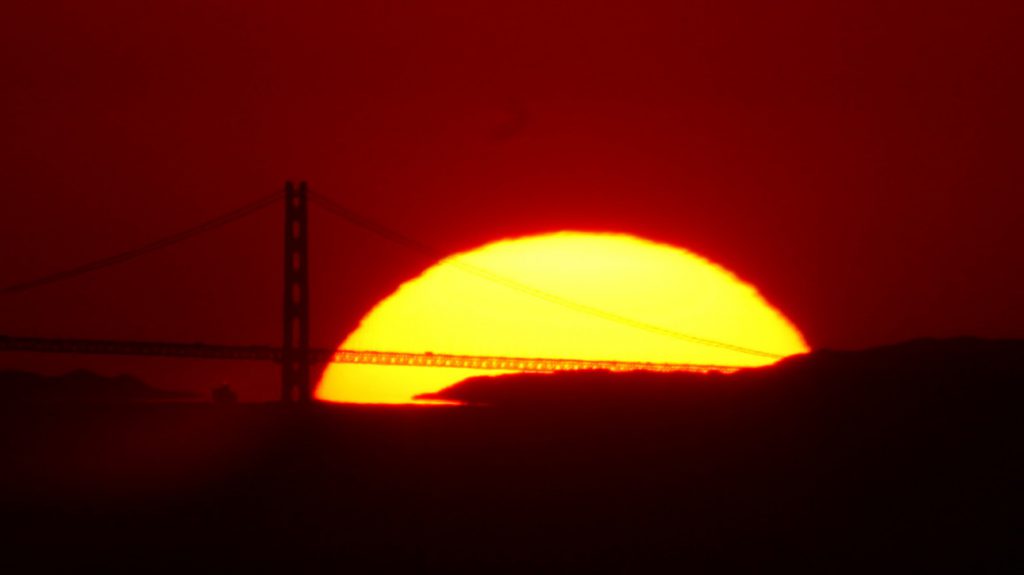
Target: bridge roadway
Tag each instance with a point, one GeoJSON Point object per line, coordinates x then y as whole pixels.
{"type": "Point", "coordinates": [269, 353]}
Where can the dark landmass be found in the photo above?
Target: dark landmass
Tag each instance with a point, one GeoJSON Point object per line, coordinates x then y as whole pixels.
{"type": "Point", "coordinates": [925, 369]}
{"type": "Point", "coordinates": [79, 386]}
{"type": "Point", "coordinates": [899, 459]}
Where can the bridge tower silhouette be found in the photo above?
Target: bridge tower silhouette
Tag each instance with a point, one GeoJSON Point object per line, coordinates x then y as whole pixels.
{"type": "Point", "coordinates": [295, 384]}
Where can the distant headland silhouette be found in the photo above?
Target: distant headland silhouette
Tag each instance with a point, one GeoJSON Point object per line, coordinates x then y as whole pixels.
{"type": "Point", "coordinates": [80, 385]}
{"type": "Point", "coordinates": [931, 368]}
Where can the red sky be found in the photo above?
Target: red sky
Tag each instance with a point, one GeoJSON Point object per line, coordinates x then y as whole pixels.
{"type": "Point", "coordinates": [858, 161]}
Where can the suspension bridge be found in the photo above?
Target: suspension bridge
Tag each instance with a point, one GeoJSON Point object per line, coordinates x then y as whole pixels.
{"type": "Point", "coordinates": [295, 355]}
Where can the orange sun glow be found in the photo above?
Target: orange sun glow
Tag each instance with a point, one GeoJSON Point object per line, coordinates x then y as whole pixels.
{"type": "Point", "coordinates": [535, 297]}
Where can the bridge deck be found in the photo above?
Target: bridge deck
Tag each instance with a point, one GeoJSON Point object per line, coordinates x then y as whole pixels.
{"type": "Point", "coordinates": [269, 353]}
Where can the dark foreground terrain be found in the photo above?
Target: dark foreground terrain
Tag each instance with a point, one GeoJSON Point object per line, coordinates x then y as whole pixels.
{"type": "Point", "coordinates": [897, 459]}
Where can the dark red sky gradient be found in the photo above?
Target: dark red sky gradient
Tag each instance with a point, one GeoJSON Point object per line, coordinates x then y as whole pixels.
{"type": "Point", "coordinates": [858, 161]}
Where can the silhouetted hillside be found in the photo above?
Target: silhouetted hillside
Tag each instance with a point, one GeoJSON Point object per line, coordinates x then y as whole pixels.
{"type": "Point", "coordinates": [81, 385]}
{"type": "Point", "coordinates": [892, 460]}
{"type": "Point", "coordinates": [925, 370]}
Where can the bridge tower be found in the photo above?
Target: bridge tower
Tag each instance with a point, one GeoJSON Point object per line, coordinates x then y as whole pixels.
{"type": "Point", "coordinates": [295, 384]}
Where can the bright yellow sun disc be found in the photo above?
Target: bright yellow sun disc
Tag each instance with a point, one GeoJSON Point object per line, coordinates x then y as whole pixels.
{"type": "Point", "coordinates": [568, 295]}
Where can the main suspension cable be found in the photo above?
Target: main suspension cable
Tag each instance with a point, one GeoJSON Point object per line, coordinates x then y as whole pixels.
{"type": "Point", "coordinates": [401, 239]}
{"type": "Point", "coordinates": [156, 245]}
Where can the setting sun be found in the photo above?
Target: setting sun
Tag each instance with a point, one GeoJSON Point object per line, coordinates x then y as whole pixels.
{"type": "Point", "coordinates": [562, 295]}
